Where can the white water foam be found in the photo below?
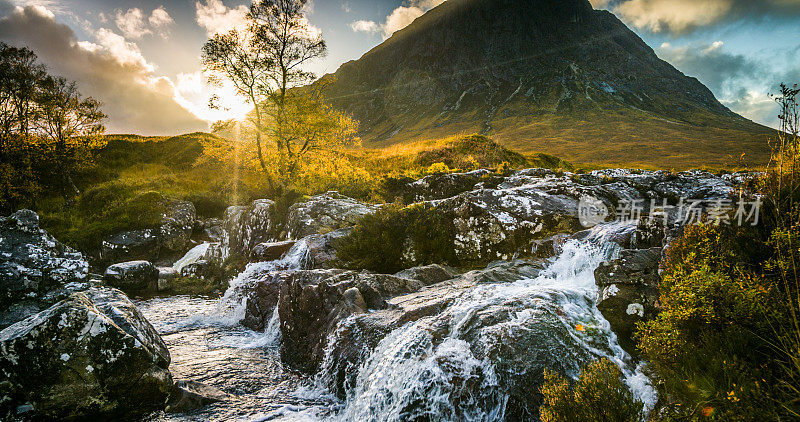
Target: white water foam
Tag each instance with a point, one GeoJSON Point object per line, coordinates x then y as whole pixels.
{"type": "Point", "coordinates": [413, 372]}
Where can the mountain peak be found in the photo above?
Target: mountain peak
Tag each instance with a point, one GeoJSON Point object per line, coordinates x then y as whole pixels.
{"type": "Point", "coordinates": [537, 75]}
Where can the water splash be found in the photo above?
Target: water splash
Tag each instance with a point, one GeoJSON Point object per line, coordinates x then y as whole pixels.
{"type": "Point", "coordinates": [453, 366]}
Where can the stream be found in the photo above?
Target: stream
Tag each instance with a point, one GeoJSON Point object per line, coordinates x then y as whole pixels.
{"type": "Point", "coordinates": [418, 370]}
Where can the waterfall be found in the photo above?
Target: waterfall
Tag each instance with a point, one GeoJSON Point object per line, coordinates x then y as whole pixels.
{"type": "Point", "coordinates": [194, 255]}
{"type": "Point", "coordinates": [233, 303]}
{"type": "Point", "coordinates": [453, 366]}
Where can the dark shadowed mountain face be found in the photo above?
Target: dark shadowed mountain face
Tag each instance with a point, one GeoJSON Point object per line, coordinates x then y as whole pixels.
{"type": "Point", "coordinates": [540, 75]}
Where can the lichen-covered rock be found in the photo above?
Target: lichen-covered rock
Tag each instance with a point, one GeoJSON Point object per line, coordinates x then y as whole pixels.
{"type": "Point", "coordinates": [324, 213]}
{"type": "Point", "coordinates": [132, 277]}
{"type": "Point", "coordinates": [36, 270]}
{"type": "Point", "coordinates": [441, 186]}
{"type": "Point", "coordinates": [628, 291]}
{"type": "Point", "coordinates": [244, 227]}
{"type": "Point", "coordinates": [499, 223]}
{"type": "Point", "coordinates": [177, 225]}
{"type": "Point", "coordinates": [201, 270]}
{"type": "Point", "coordinates": [156, 244]}
{"type": "Point", "coordinates": [91, 355]}
{"type": "Point", "coordinates": [320, 249]}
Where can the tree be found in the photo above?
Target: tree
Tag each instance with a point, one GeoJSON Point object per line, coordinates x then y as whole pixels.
{"type": "Point", "coordinates": [232, 56]}
{"type": "Point", "coordinates": [311, 126]}
{"type": "Point", "coordinates": [20, 77]}
{"type": "Point", "coordinates": [288, 41]}
{"type": "Point", "coordinates": [71, 125]}
{"type": "Point", "coordinates": [264, 63]}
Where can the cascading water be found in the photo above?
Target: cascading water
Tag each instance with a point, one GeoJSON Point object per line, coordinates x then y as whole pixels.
{"type": "Point", "coordinates": [480, 359]}
{"type": "Point", "coordinates": [474, 360]}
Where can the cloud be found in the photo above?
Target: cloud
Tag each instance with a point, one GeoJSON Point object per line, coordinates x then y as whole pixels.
{"type": "Point", "coordinates": [160, 20]}
{"type": "Point", "coordinates": [711, 64]}
{"type": "Point", "coordinates": [739, 82]}
{"type": "Point", "coordinates": [134, 25]}
{"type": "Point", "coordinates": [131, 23]}
{"type": "Point", "coordinates": [365, 26]}
{"type": "Point", "coordinates": [398, 19]}
{"type": "Point", "coordinates": [683, 16]}
{"type": "Point", "coordinates": [215, 17]}
{"type": "Point", "coordinates": [108, 68]}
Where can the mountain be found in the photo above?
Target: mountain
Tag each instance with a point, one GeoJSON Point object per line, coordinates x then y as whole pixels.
{"type": "Point", "coordinates": [554, 76]}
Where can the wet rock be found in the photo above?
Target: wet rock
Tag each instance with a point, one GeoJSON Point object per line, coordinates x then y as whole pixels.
{"type": "Point", "coordinates": [210, 230]}
{"type": "Point", "coordinates": [628, 291]}
{"type": "Point", "coordinates": [91, 355]}
{"type": "Point", "coordinates": [321, 249]}
{"type": "Point", "coordinates": [132, 277]}
{"type": "Point", "coordinates": [270, 251]}
{"type": "Point", "coordinates": [324, 213]}
{"type": "Point", "coordinates": [429, 274]}
{"type": "Point", "coordinates": [188, 395]}
{"type": "Point", "coordinates": [136, 244]}
{"type": "Point", "coordinates": [36, 270]}
{"type": "Point", "coordinates": [244, 227]}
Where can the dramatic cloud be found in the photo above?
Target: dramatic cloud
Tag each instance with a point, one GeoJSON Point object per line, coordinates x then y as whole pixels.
{"type": "Point", "coordinates": [682, 16]}
{"type": "Point", "coordinates": [109, 69]}
{"type": "Point", "coordinates": [739, 82]}
{"type": "Point", "coordinates": [215, 17]}
{"type": "Point", "coordinates": [398, 19]}
{"type": "Point", "coordinates": [712, 64]}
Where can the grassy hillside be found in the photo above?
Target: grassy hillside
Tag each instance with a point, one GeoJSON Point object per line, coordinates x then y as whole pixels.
{"type": "Point", "coordinates": [134, 174]}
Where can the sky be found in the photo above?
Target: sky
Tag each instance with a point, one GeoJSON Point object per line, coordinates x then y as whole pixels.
{"type": "Point", "coordinates": [141, 58]}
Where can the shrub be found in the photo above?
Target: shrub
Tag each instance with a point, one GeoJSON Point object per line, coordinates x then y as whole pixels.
{"type": "Point", "coordinates": [438, 168]}
{"type": "Point", "coordinates": [711, 345]}
{"type": "Point", "coordinates": [599, 395]}
{"type": "Point", "coordinates": [397, 237]}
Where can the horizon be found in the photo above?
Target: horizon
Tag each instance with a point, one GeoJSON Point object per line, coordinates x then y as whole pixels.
{"type": "Point", "coordinates": [147, 51]}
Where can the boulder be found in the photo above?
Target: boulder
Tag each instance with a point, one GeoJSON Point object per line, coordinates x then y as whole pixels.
{"type": "Point", "coordinates": [441, 186]}
{"type": "Point", "coordinates": [324, 213]}
{"type": "Point", "coordinates": [177, 225]}
{"type": "Point", "coordinates": [320, 249]}
{"type": "Point", "coordinates": [201, 270]}
{"type": "Point", "coordinates": [244, 227]}
{"type": "Point", "coordinates": [132, 277]}
{"type": "Point", "coordinates": [270, 251]}
{"type": "Point", "coordinates": [91, 355]}
{"type": "Point", "coordinates": [156, 244]}
{"type": "Point", "coordinates": [628, 291]}
{"type": "Point", "coordinates": [36, 270]}
{"type": "Point", "coordinates": [166, 276]}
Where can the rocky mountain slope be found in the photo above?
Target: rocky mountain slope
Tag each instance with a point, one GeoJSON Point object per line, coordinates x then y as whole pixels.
{"type": "Point", "coordinates": [540, 75]}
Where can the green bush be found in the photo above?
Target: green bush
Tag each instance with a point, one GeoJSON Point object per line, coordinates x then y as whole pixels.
{"type": "Point", "coordinates": [712, 345]}
{"type": "Point", "coordinates": [397, 237]}
{"type": "Point", "coordinates": [599, 395]}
